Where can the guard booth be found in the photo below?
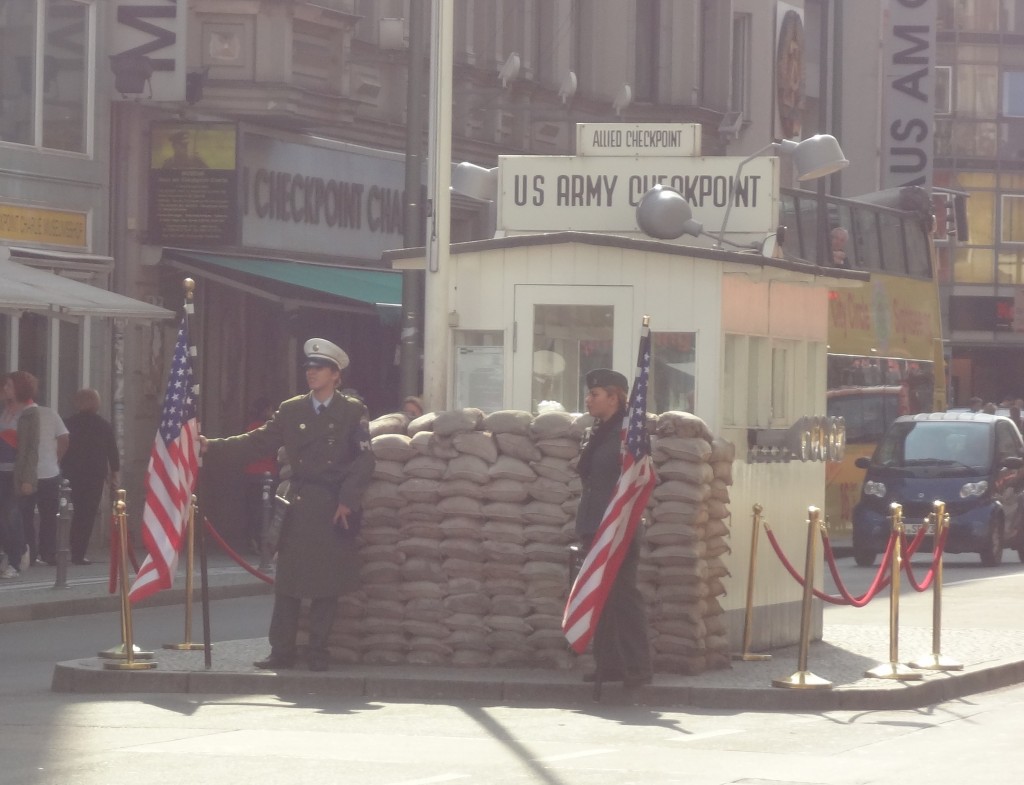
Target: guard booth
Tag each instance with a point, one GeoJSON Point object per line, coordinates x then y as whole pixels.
{"type": "Point", "coordinates": [738, 338]}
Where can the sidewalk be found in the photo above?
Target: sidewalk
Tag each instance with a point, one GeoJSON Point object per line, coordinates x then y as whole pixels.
{"type": "Point", "coordinates": [983, 632]}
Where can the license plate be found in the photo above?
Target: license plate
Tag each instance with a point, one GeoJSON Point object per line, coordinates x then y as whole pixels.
{"type": "Point", "coordinates": [911, 529]}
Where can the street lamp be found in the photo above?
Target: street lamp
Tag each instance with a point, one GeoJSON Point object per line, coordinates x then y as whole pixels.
{"type": "Point", "coordinates": [814, 157]}
{"type": "Point", "coordinates": [664, 214]}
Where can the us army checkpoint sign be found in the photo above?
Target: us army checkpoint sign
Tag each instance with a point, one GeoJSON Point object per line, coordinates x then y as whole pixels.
{"type": "Point", "coordinates": [601, 193]}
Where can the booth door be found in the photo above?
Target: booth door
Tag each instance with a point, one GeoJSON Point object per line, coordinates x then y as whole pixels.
{"type": "Point", "coordinates": [562, 332]}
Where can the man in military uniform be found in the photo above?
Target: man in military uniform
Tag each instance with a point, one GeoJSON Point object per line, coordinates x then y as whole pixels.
{"type": "Point", "coordinates": [327, 443]}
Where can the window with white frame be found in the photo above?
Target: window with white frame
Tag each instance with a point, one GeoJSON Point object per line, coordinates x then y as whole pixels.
{"type": "Point", "coordinates": [47, 55]}
{"type": "Point", "coordinates": [1012, 218]}
{"type": "Point", "coordinates": [739, 100]}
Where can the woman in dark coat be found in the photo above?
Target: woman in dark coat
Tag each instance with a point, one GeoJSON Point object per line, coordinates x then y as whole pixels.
{"type": "Point", "coordinates": [327, 444]}
{"type": "Point", "coordinates": [621, 648]}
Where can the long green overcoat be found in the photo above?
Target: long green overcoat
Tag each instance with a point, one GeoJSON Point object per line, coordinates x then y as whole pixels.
{"type": "Point", "coordinates": [331, 463]}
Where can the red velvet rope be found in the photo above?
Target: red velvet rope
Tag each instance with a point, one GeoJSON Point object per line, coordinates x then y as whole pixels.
{"type": "Point", "coordinates": [234, 556]}
{"type": "Point", "coordinates": [830, 598]}
{"type": "Point", "coordinates": [937, 553]}
{"type": "Point", "coordinates": [881, 580]}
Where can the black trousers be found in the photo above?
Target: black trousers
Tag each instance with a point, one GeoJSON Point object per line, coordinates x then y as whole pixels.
{"type": "Point", "coordinates": [85, 496]}
{"type": "Point", "coordinates": [47, 499]}
{"type": "Point", "coordinates": [284, 625]}
{"type": "Point", "coordinates": [621, 646]}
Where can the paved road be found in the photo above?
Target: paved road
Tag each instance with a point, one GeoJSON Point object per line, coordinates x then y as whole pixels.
{"type": "Point", "coordinates": [56, 739]}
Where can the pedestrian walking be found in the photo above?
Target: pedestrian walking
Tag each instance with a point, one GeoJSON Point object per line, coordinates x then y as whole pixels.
{"type": "Point", "coordinates": [19, 459]}
{"type": "Point", "coordinates": [91, 462]}
{"type": "Point", "coordinates": [53, 443]}
{"type": "Point", "coordinates": [327, 445]}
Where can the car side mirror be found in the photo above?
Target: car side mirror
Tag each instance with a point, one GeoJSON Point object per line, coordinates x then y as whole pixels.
{"type": "Point", "coordinates": [1013, 462]}
{"type": "Point", "coordinates": [863, 462]}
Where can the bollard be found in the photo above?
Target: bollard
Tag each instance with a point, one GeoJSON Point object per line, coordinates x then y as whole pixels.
{"type": "Point", "coordinates": [190, 560]}
{"type": "Point", "coordinates": [62, 555]}
{"type": "Point", "coordinates": [748, 618]}
{"type": "Point", "coordinates": [893, 669]}
{"type": "Point", "coordinates": [936, 661]}
{"type": "Point", "coordinates": [267, 508]}
{"type": "Point", "coordinates": [127, 654]}
{"type": "Point", "coordinates": [804, 679]}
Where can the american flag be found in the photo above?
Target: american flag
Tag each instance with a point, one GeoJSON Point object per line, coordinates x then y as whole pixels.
{"type": "Point", "coordinates": [614, 535]}
{"type": "Point", "coordinates": [171, 478]}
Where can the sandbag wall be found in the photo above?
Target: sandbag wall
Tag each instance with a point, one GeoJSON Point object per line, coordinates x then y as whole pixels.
{"type": "Point", "coordinates": [465, 542]}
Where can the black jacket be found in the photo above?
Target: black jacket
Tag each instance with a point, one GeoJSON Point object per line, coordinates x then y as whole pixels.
{"type": "Point", "coordinates": [599, 468]}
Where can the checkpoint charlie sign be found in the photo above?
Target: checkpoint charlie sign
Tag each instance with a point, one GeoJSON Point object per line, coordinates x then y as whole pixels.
{"type": "Point", "coordinates": [599, 190]}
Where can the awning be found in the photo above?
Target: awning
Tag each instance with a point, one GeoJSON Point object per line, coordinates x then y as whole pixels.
{"type": "Point", "coordinates": [358, 289]}
{"type": "Point", "coordinates": [24, 288]}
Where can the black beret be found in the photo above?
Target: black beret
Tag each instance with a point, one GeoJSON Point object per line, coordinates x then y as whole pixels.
{"type": "Point", "coordinates": [606, 377]}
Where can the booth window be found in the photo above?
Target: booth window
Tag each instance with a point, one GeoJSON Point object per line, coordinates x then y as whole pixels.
{"type": "Point", "coordinates": [46, 90]}
{"type": "Point", "coordinates": [746, 367]}
{"type": "Point", "coordinates": [673, 368]}
{"type": "Point", "coordinates": [782, 382]}
{"type": "Point", "coordinates": [479, 369]}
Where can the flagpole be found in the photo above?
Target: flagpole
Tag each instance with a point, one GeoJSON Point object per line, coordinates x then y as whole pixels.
{"type": "Point", "coordinates": [199, 531]}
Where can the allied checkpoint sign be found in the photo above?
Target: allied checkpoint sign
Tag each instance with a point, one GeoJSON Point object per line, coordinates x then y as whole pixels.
{"type": "Point", "coordinates": [599, 190]}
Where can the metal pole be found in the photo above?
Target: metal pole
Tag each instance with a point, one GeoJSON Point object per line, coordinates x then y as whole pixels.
{"type": "Point", "coordinates": [127, 656]}
{"type": "Point", "coordinates": [893, 669]}
{"type": "Point", "coordinates": [190, 549]}
{"type": "Point", "coordinates": [63, 551]}
{"type": "Point", "coordinates": [436, 328]}
{"type": "Point", "coordinates": [803, 679]}
{"type": "Point", "coordinates": [410, 345]}
{"type": "Point", "coordinates": [748, 619]}
{"type": "Point", "coordinates": [936, 661]}
{"type": "Point", "coordinates": [267, 510]}
{"type": "Point", "coordinates": [824, 241]}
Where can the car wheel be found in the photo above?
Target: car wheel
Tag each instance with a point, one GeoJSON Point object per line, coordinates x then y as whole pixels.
{"type": "Point", "coordinates": [992, 554]}
{"type": "Point", "coordinates": [864, 558]}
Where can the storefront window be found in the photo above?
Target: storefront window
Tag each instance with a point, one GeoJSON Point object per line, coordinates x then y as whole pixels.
{"type": "Point", "coordinates": [46, 94]}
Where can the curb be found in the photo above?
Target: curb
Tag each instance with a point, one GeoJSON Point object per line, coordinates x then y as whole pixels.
{"type": "Point", "coordinates": [90, 676]}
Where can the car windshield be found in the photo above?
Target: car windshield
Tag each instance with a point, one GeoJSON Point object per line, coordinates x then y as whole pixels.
{"type": "Point", "coordinates": [936, 443]}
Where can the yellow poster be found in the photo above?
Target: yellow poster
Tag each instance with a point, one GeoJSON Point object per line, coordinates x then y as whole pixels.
{"type": "Point", "coordinates": [50, 227]}
{"type": "Point", "coordinates": [889, 316]}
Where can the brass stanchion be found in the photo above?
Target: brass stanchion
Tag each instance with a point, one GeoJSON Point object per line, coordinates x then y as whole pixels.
{"type": "Point", "coordinates": [748, 618]}
{"type": "Point", "coordinates": [62, 554]}
{"type": "Point", "coordinates": [127, 653]}
{"type": "Point", "coordinates": [803, 679]}
{"type": "Point", "coordinates": [936, 661]}
{"type": "Point", "coordinates": [190, 560]}
{"type": "Point", "coordinates": [893, 669]}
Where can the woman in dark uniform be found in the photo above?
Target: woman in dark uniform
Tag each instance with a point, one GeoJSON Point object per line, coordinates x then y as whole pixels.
{"type": "Point", "coordinates": [621, 648]}
{"type": "Point", "coordinates": [327, 443]}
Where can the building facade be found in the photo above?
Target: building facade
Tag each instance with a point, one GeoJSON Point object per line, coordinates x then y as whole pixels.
{"type": "Point", "coordinates": [979, 122]}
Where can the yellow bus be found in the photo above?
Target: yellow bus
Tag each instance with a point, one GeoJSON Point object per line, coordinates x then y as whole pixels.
{"type": "Point", "coordinates": [885, 353]}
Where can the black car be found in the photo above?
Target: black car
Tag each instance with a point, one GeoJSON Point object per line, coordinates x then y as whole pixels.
{"type": "Point", "coordinates": [971, 461]}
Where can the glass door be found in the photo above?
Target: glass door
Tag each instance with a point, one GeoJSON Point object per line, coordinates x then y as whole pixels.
{"type": "Point", "coordinates": [562, 333]}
